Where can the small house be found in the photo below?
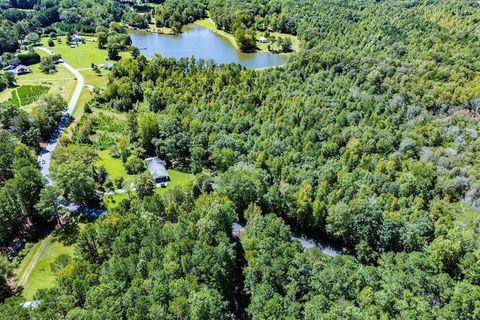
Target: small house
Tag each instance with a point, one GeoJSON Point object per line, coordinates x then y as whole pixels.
{"type": "Point", "coordinates": [106, 66]}
{"type": "Point", "coordinates": [21, 69]}
{"type": "Point", "coordinates": [9, 68]}
{"type": "Point", "coordinates": [263, 40]}
{"type": "Point", "coordinates": [158, 170]}
{"type": "Point", "coordinates": [76, 38]}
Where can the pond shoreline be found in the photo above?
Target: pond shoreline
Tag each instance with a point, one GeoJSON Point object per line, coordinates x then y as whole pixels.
{"type": "Point", "coordinates": [203, 43]}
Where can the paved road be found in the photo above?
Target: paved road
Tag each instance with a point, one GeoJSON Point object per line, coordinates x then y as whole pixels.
{"type": "Point", "coordinates": [306, 243]}
{"type": "Point", "coordinates": [45, 155]}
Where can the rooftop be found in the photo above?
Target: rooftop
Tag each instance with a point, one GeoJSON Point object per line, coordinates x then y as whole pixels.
{"type": "Point", "coordinates": [157, 168]}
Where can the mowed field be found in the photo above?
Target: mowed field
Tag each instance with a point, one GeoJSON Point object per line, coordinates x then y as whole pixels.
{"type": "Point", "coordinates": [61, 82]}
{"type": "Point", "coordinates": [40, 257]}
{"type": "Point", "coordinates": [82, 56]}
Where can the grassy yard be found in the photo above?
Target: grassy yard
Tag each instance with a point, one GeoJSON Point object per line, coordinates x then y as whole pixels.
{"type": "Point", "coordinates": [161, 30]}
{"type": "Point", "coordinates": [61, 82]}
{"type": "Point", "coordinates": [42, 276]}
{"type": "Point", "coordinates": [209, 24]}
{"type": "Point", "coordinates": [97, 80]}
{"type": "Point", "coordinates": [114, 167]}
{"type": "Point", "coordinates": [262, 47]}
{"type": "Point", "coordinates": [177, 179]}
{"type": "Point", "coordinates": [6, 94]}
{"type": "Point", "coordinates": [82, 56]}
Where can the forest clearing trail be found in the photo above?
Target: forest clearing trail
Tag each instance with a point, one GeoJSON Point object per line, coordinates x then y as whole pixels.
{"type": "Point", "coordinates": [33, 263]}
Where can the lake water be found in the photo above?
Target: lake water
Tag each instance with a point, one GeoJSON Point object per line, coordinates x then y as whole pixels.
{"type": "Point", "coordinates": [203, 44]}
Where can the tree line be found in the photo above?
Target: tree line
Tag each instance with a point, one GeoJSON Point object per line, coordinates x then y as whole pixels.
{"type": "Point", "coordinates": [368, 136]}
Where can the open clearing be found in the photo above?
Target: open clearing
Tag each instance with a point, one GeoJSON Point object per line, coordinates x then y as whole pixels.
{"type": "Point", "coordinates": [61, 82]}
{"type": "Point", "coordinates": [262, 47]}
{"type": "Point", "coordinates": [82, 56]}
{"type": "Point", "coordinates": [114, 167]}
{"type": "Point", "coordinates": [35, 267]}
{"type": "Point", "coordinates": [177, 180]}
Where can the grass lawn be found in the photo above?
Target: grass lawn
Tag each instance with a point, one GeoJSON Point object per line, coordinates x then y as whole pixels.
{"type": "Point", "coordinates": [61, 82]}
{"type": "Point", "coordinates": [262, 47]}
{"type": "Point", "coordinates": [161, 30]}
{"type": "Point", "coordinates": [94, 79]}
{"type": "Point", "coordinates": [114, 167]}
{"type": "Point", "coordinates": [209, 24]}
{"type": "Point", "coordinates": [177, 179]}
{"type": "Point", "coordinates": [82, 56]}
{"type": "Point", "coordinates": [6, 94]}
{"type": "Point", "coordinates": [42, 276]}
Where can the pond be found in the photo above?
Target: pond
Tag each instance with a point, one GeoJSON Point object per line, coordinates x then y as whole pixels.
{"type": "Point", "coordinates": [202, 43]}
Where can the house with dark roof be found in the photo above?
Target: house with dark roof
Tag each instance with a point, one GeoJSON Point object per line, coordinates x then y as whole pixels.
{"type": "Point", "coordinates": [21, 69]}
{"type": "Point", "coordinates": [9, 68]}
{"type": "Point", "coordinates": [158, 170]}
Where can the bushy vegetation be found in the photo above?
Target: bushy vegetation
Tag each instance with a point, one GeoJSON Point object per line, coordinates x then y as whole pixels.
{"type": "Point", "coordinates": [57, 16]}
{"type": "Point", "coordinates": [20, 185]}
{"type": "Point", "coordinates": [367, 137]}
{"type": "Point", "coordinates": [37, 126]}
{"type": "Point", "coordinates": [7, 80]}
{"type": "Point", "coordinates": [262, 15]}
{"type": "Point", "coordinates": [28, 57]}
{"type": "Point", "coordinates": [177, 13]}
{"type": "Point", "coordinates": [48, 64]}
{"type": "Point", "coordinates": [114, 39]}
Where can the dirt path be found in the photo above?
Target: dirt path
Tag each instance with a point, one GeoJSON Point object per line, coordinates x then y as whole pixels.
{"type": "Point", "coordinates": [32, 263]}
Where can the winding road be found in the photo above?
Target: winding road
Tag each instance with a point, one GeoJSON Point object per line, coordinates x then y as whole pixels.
{"type": "Point", "coordinates": [45, 156]}
{"type": "Point", "coordinates": [306, 243]}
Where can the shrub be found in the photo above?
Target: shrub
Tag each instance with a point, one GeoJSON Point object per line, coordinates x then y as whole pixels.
{"type": "Point", "coordinates": [119, 182]}
{"type": "Point", "coordinates": [134, 165]}
{"type": "Point", "coordinates": [28, 57]}
{"type": "Point", "coordinates": [47, 64]}
{"type": "Point", "coordinates": [109, 184]}
{"type": "Point", "coordinates": [60, 262]}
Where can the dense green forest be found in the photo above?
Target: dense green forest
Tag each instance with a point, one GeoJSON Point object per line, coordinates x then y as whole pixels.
{"type": "Point", "coordinates": [20, 180]}
{"type": "Point", "coordinates": [20, 18]}
{"type": "Point", "coordinates": [368, 137]}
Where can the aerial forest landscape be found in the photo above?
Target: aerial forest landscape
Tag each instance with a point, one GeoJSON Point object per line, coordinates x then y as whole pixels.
{"type": "Point", "coordinates": [240, 159]}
